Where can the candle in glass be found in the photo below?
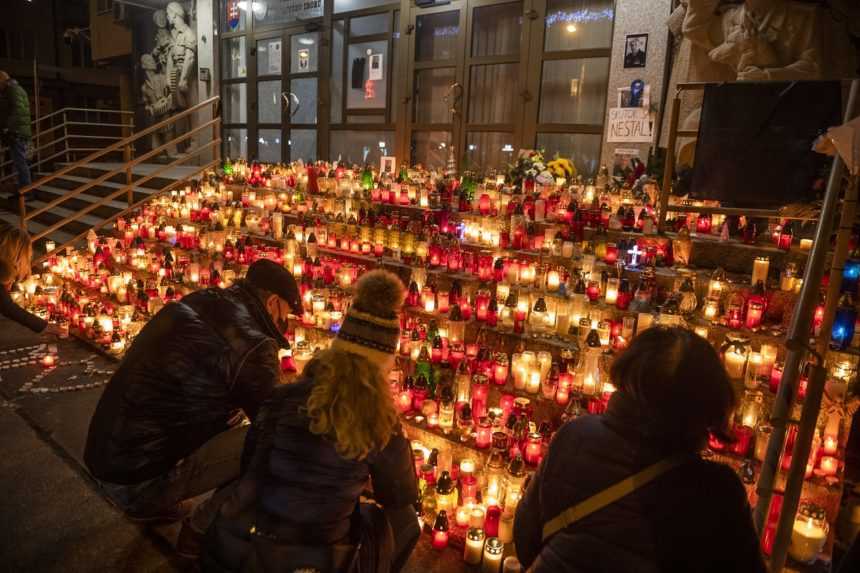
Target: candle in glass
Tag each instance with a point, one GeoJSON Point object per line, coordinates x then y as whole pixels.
{"type": "Point", "coordinates": [474, 547]}
{"type": "Point", "coordinates": [611, 295]}
{"type": "Point", "coordinates": [761, 266]}
{"type": "Point", "coordinates": [829, 465]}
{"type": "Point", "coordinates": [493, 550]}
{"type": "Point", "coordinates": [808, 537]}
{"type": "Point", "coordinates": [440, 530]}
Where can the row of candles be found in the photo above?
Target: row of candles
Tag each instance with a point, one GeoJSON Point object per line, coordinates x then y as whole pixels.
{"type": "Point", "coordinates": [526, 372]}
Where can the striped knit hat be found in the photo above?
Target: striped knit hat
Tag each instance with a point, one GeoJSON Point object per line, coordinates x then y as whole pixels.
{"type": "Point", "coordinates": [372, 325]}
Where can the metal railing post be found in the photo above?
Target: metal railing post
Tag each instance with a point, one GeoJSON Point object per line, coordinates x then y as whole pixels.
{"type": "Point", "coordinates": [796, 341]}
{"type": "Point", "coordinates": [669, 165]}
{"type": "Point", "coordinates": [22, 211]}
{"type": "Point", "coordinates": [126, 155]}
{"type": "Point", "coordinates": [216, 133]}
{"type": "Point", "coordinates": [66, 137]}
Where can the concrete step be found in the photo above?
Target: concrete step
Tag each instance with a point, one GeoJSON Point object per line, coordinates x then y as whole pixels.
{"type": "Point", "coordinates": [59, 236]}
{"type": "Point", "coordinates": [69, 183]}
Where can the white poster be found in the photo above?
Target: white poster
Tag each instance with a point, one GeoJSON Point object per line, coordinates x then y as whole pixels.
{"type": "Point", "coordinates": [629, 125]}
{"type": "Point", "coordinates": [375, 67]}
{"type": "Point", "coordinates": [275, 57]}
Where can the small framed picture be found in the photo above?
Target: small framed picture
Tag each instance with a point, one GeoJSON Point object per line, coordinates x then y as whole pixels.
{"type": "Point", "coordinates": [304, 59]}
{"type": "Point", "coordinates": [635, 50]}
{"type": "Point", "coordinates": [387, 165]}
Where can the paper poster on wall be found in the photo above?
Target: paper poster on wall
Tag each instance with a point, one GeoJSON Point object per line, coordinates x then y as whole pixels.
{"type": "Point", "coordinates": [375, 67]}
{"type": "Point", "coordinates": [629, 125]}
{"type": "Point", "coordinates": [275, 57]}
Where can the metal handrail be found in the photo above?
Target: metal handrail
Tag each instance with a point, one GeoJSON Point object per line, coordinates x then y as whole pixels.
{"type": "Point", "coordinates": [124, 143]}
{"type": "Point", "coordinates": [116, 171]}
{"type": "Point", "coordinates": [42, 140]}
{"type": "Point", "coordinates": [130, 187]}
{"type": "Point", "coordinates": [115, 216]}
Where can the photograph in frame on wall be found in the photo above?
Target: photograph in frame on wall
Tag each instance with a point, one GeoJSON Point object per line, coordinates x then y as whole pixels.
{"type": "Point", "coordinates": [375, 67]}
{"type": "Point", "coordinates": [304, 59]}
{"type": "Point", "coordinates": [635, 50]}
{"type": "Point", "coordinates": [387, 164]}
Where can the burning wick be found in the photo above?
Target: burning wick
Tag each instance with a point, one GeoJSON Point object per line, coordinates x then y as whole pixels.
{"type": "Point", "coordinates": [48, 361]}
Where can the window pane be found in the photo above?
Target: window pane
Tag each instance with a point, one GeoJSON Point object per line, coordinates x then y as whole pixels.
{"type": "Point", "coordinates": [236, 143]}
{"type": "Point", "coordinates": [304, 104]}
{"type": "Point", "coordinates": [269, 101]}
{"type": "Point", "coordinates": [303, 145]}
{"type": "Point", "coordinates": [336, 80]}
{"type": "Point", "coordinates": [350, 5]}
{"type": "Point", "coordinates": [305, 50]}
{"type": "Point", "coordinates": [496, 30]}
{"type": "Point", "coordinates": [367, 88]}
{"type": "Point", "coordinates": [233, 20]}
{"type": "Point", "coordinates": [578, 24]}
{"type": "Point", "coordinates": [436, 36]}
{"type": "Point", "coordinates": [275, 12]}
{"type": "Point", "coordinates": [574, 91]}
{"type": "Point", "coordinates": [235, 103]}
{"type": "Point", "coordinates": [366, 25]}
{"type": "Point", "coordinates": [233, 58]}
{"type": "Point", "coordinates": [582, 148]}
{"type": "Point", "coordinates": [269, 145]}
{"type": "Point", "coordinates": [487, 102]}
{"type": "Point", "coordinates": [269, 57]}
{"type": "Point", "coordinates": [359, 147]}
{"type": "Point", "coordinates": [430, 87]}
{"type": "Point", "coordinates": [431, 148]}
{"type": "Point", "coordinates": [489, 150]}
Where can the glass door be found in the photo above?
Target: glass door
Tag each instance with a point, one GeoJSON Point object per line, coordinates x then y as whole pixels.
{"type": "Point", "coordinates": [283, 103]}
{"type": "Point", "coordinates": [466, 88]}
{"type": "Point", "coordinates": [436, 85]}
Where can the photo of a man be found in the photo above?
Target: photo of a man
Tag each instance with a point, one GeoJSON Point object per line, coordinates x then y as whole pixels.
{"type": "Point", "coordinates": [635, 49]}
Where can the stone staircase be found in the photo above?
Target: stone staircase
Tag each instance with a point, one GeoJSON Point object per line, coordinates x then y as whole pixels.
{"type": "Point", "coordinates": [61, 186]}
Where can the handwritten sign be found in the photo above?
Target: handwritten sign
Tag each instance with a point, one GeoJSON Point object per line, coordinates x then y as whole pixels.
{"type": "Point", "coordinates": [629, 125]}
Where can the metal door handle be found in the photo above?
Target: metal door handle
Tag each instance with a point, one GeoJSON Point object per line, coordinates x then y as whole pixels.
{"type": "Point", "coordinates": [453, 97]}
{"type": "Point", "coordinates": [289, 98]}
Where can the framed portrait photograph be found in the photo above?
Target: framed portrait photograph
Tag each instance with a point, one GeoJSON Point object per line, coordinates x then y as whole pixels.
{"type": "Point", "coordinates": [635, 50]}
{"type": "Point", "coordinates": [375, 73]}
{"type": "Point", "coordinates": [387, 164]}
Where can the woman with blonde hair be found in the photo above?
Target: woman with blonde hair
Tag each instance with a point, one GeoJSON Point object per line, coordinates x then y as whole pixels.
{"type": "Point", "coordinates": [16, 253]}
{"type": "Point", "coordinates": [312, 450]}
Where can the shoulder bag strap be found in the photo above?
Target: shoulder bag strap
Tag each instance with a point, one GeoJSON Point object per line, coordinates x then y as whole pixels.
{"type": "Point", "coordinates": [609, 495]}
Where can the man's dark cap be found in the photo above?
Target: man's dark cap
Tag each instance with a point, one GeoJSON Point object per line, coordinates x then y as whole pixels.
{"type": "Point", "coordinates": [271, 276]}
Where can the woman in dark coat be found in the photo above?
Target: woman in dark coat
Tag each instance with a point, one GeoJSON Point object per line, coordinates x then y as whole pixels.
{"type": "Point", "coordinates": [314, 448]}
{"type": "Point", "coordinates": [672, 389]}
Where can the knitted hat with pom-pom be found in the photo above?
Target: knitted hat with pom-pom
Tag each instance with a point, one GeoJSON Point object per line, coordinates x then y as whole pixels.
{"type": "Point", "coordinates": [372, 325]}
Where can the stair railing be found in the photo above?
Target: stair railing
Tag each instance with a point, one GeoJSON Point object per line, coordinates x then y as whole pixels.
{"type": "Point", "coordinates": [126, 145]}
{"type": "Point", "coordinates": [69, 132]}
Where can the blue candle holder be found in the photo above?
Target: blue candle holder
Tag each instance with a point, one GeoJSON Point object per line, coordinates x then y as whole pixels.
{"type": "Point", "coordinates": [851, 276]}
{"type": "Point", "coordinates": [843, 327]}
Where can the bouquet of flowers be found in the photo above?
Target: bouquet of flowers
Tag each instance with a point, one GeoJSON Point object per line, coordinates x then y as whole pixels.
{"type": "Point", "coordinates": [531, 164]}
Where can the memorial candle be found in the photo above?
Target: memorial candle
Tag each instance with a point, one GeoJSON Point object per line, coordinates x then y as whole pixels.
{"type": "Point", "coordinates": [440, 531]}
{"type": "Point", "coordinates": [761, 266]}
{"type": "Point", "coordinates": [493, 550]}
{"type": "Point", "coordinates": [474, 547]}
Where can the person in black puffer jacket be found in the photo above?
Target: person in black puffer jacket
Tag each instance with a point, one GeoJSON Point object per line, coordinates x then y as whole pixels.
{"type": "Point", "coordinates": [672, 389]}
{"type": "Point", "coordinates": [311, 452]}
{"type": "Point", "coordinates": [168, 426]}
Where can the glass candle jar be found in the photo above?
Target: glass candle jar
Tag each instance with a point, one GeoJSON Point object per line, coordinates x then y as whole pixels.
{"type": "Point", "coordinates": [809, 533]}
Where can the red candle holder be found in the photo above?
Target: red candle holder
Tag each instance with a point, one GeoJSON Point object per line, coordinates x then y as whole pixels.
{"type": "Point", "coordinates": [483, 434]}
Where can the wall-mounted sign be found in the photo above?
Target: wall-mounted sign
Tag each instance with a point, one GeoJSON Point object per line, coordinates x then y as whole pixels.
{"type": "Point", "coordinates": [629, 125]}
{"type": "Point", "coordinates": [275, 57]}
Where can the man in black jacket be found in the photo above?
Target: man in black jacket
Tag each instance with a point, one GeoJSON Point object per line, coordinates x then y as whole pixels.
{"type": "Point", "coordinates": [168, 426]}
